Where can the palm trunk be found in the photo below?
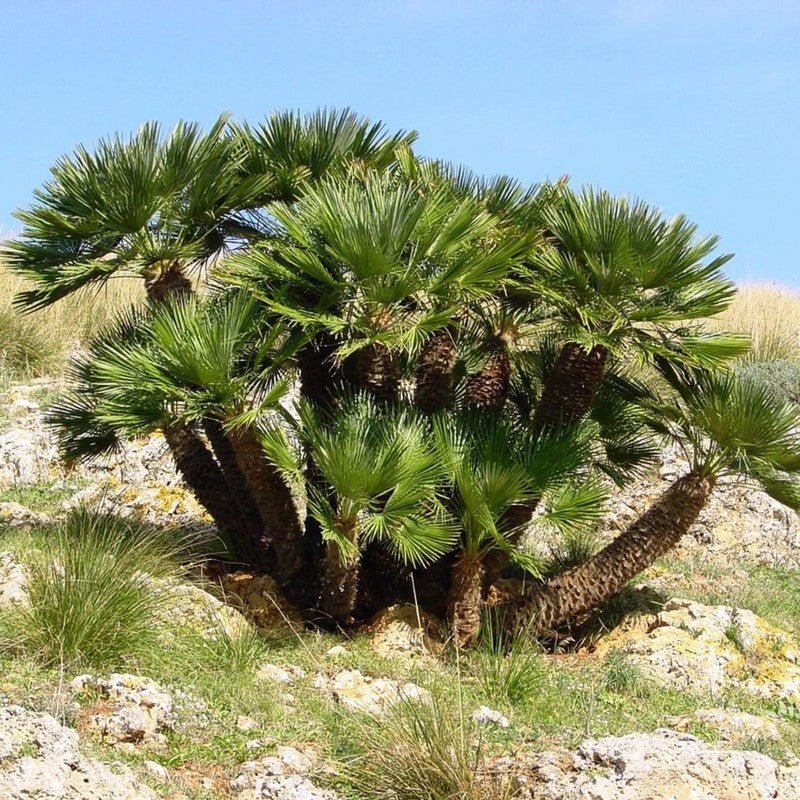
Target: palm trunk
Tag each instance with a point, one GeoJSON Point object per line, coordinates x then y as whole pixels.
{"type": "Point", "coordinates": [197, 466]}
{"type": "Point", "coordinates": [282, 526]}
{"type": "Point", "coordinates": [340, 581]}
{"type": "Point", "coordinates": [319, 374]}
{"type": "Point", "coordinates": [654, 534]}
{"type": "Point", "coordinates": [489, 387]}
{"type": "Point", "coordinates": [571, 386]}
{"type": "Point", "coordinates": [466, 598]}
{"type": "Point", "coordinates": [379, 372]}
{"type": "Point", "coordinates": [167, 283]}
{"type": "Point", "coordinates": [568, 394]}
{"type": "Point", "coordinates": [437, 361]}
{"type": "Point", "coordinates": [202, 474]}
{"type": "Point", "coordinates": [251, 539]}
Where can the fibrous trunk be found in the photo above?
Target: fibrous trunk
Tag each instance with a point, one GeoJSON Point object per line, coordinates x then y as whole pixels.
{"type": "Point", "coordinates": [466, 598]}
{"type": "Point", "coordinates": [340, 581]}
{"type": "Point", "coordinates": [567, 397]}
{"type": "Point", "coordinates": [489, 387]}
{"type": "Point", "coordinates": [656, 532]}
{"type": "Point", "coordinates": [193, 459]}
{"type": "Point", "coordinates": [436, 365]}
{"type": "Point", "coordinates": [282, 527]}
{"type": "Point", "coordinates": [202, 474]}
{"type": "Point", "coordinates": [168, 283]}
{"type": "Point", "coordinates": [319, 373]}
{"type": "Point", "coordinates": [251, 537]}
{"type": "Point", "coordinates": [379, 372]}
{"type": "Point", "coordinates": [571, 386]}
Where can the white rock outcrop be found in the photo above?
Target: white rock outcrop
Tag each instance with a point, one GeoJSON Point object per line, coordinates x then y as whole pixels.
{"type": "Point", "coordinates": [40, 760]}
{"type": "Point", "coordinates": [664, 765]}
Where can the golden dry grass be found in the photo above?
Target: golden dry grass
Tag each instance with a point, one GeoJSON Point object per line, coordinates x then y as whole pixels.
{"type": "Point", "coordinates": [36, 344]}
{"type": "Point", "coordinates": [770, 315]}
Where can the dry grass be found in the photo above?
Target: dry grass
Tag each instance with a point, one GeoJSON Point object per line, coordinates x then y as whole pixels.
{"type": "Point", "coordinates": [37, 344]}
{"type": "Point", "coordinates": [770, 314]}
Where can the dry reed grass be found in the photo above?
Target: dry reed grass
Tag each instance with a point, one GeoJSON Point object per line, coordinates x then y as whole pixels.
{"type": "Point", "coordinates": [37, 344]}
{"type": "Point", "coordinates": [770, 315]}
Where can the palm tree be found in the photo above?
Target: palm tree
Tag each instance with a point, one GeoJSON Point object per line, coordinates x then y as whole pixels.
{"type": "Point", "coordinates": [730, 429]}
{"type": "Point", "coordinates": [495, 462]}
{"type": "Point", "coordinates": [382, 478]}
{"type": "Point", "coordinates": [190, 363]}
{"type": "Point", "coordinates": [617, 275]}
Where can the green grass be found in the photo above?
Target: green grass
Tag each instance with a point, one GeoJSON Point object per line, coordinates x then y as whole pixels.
{"type": "Point", "coordinates": [90, 604]}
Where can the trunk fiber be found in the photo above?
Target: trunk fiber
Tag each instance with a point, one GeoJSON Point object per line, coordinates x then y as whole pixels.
{"type": "Point", "coordinates": [195, 463]}
{"type": "Point", "coordinates": [340, 581]}
{"type": "Point", "coordinates": [437, 361]}
{"type": "Point", "coordinates": [571, 386]}
{"type": "Point", "coordinates": [203, 475]}
{"type": "Point", "coordinates": [567, 396]}
{"type": "Point", "coordinates": [251, 536]}
{"type": "Point", "coordinates": [466, 598]}
{"type": "Point", "coordinates": [489, 387]}
{"type": "Point", "coordinates": [379, 373]}
{"type": "Point", "coordinates": [319, 374]}
{"type": "Point", "coordinates": [282, 527]}
{"type": "Point", "coordinates": [656, 532]}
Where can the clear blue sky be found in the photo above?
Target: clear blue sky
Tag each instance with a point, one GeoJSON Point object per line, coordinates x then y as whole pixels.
{"type": "Point", "coordinates": [693, 105]}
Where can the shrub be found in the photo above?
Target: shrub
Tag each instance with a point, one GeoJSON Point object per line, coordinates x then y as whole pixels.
{"type": "Point", "coordinates": [780, 378]}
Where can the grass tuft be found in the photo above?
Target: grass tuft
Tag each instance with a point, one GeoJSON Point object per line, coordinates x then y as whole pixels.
{"type": "Point", "coordinates": [91, 605]}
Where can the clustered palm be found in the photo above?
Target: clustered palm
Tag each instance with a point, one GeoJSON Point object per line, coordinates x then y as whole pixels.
{"type": "Point", "coordinates": [397, 377]}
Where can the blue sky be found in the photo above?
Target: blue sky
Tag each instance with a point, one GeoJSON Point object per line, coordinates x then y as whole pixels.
{"type": "Point", "coordinates": [694, 106]}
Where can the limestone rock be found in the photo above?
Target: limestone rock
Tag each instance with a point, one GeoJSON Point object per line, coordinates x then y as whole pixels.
{"type": "Point", "coordinates": [488, 716]}
{"type": "Point", "coordinates": [163, 504]}
{"type": "Point", "coordinates": [19, 517]}
{"type": "Point", "coordinates": [132, 709]}
{"type": "Point", "coordinates": [710, 649]}
{"type": "Point", "coordinates": [14, 578]}
{"type": "Point", "coordinates": [189, 605]}
{"type": "Point", "coordinates": [40, 760]}
{"type": "Point", "coordinates": [732, 726]}
{"type": "Point", "coordinates": [657, 766]}
{"type": "Point", "coordinates": [284, 776]}
{"type": "Point", "coordinates": [372, 695]}
{"type": "Point", "coordinates": [277, 674]}
{"type": "Point", "coordinates": [28, 456]}
{"type": "Point", "coordinates": [259, 598]}
{"type": "Point", "coordinates": [405, 631]}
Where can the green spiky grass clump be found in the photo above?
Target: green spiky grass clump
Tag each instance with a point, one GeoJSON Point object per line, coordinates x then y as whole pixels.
{"type": "Point", "coordinates": [91, 598]}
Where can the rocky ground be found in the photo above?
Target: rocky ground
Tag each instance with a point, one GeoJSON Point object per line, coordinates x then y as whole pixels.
{"type": "Point", "coordinates": [695, 694]}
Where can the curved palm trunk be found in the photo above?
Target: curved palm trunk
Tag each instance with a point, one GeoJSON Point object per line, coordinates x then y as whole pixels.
{"type": "Point", "coordinates": [435, 371]}
{"type": "Point", "coordinates": [251, 539]}
{"type": "Point", "coordinates": [202, 474]}
{"type": "Point", "coordinates": [489, 387]}
{"type": "Point", "coordinates": [571, 386]}
{"type": "Point", "coordinates": [379, 372]}
{"type": "Point", "coordinates": [466, 598]}
{"type": "Point", "coordinates": [656, 532]}
{"type": "Point", "coordinates": [282, 526]}
{"type": "Point", "coordinates": [340, 580]}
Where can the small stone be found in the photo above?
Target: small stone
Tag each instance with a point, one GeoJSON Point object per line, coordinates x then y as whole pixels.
{"type": "Point", "coordinates": [253, 744]}
{"type": "Point", "coordinates": [244, 723]}
{"type": "Point", "coordinates": [277, 674]}
{"type": "Point", "coordinates": [488, 716]}
{"type": "Point", "coordinates": [337, 651]}
{"type": "Point", "coordinates": [157, 770]}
